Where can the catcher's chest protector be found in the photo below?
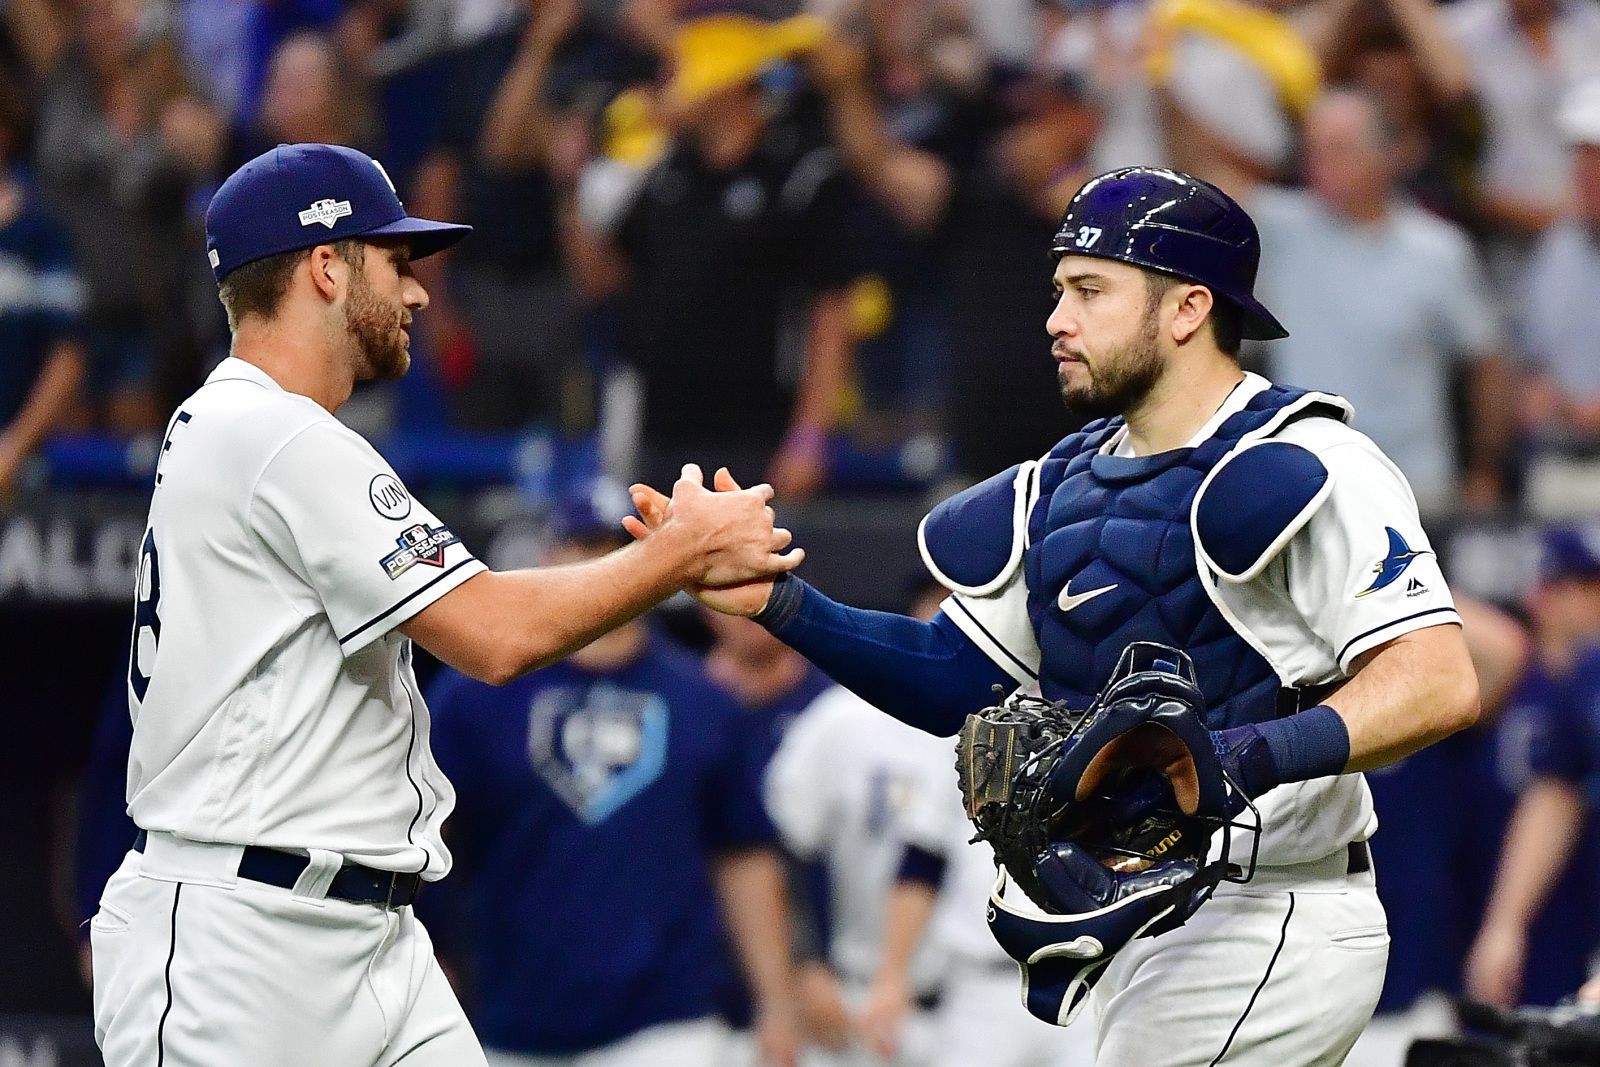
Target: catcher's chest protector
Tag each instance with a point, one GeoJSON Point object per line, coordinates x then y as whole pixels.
{"type": "Point", "coordinates": [1118, 528]}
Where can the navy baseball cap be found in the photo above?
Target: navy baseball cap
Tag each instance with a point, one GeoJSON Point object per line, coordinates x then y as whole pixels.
{"type": "Point", "coordinates": [1571, 552]}
{"type": "Point", "coordinates": [301, 195]}
{"type": "Point", "coordinates": [592, 509]}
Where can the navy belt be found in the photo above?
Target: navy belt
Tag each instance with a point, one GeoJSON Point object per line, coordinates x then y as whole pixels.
{"type": "Point", "coordinates": [355, 883]}
{"type": "Point", "coordinates": [1360, 858]}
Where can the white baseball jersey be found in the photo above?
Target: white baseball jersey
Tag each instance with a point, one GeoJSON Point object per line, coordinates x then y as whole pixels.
{"type": "Point", "coordinates": [273, 702]}
{"type": "Point", "coordinates": [1310, 613]}
{"type": "Point", "coordinates": [851, 787]}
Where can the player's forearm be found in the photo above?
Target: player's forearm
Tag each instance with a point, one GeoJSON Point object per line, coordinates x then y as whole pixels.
{"type": "Point", "coordinates": [1543, 829]}
{"type": "Point", "coordinates": [500, 625]}
{"type": "Point", "coordinates": [906, 918]}
{"type": "Point", "coordinates": [1406, 694]}
{"type": "Point", "coordinates": [929, 675]}
{"type": "Point", "coordinates": [1409, 693]}
{"type": "Point", "coordinates": [1499, 650]}
{"type": "Point", "coordinates": [755, 907]}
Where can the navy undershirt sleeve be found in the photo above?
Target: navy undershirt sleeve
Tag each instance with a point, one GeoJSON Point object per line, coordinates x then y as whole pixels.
{"type": "Point", "coordinates": [927, 674]}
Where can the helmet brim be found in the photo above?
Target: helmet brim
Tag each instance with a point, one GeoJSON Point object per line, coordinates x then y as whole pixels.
{"type": "Point", "coordinates": [1259, 323]}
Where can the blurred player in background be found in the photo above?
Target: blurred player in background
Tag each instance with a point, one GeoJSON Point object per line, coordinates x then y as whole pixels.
{"type": "Point", "coordinates": [937, 906]}
{"type": "Point", "coordinates": [772, 682]}
{"type": "Point", "coordinates": [1437, 808]}
{"type": "Point", "coordinates": [610, 830]}
{"type": "Point", "coordinates": [773, 686]}
{"type": "Point", "coordinates": [1538, 928]}
{"type": "Point", "coordinates": [863, 795]}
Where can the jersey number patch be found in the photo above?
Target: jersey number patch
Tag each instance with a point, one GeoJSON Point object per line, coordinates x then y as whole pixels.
{"type": "Point", "coordinates": [146, 620]}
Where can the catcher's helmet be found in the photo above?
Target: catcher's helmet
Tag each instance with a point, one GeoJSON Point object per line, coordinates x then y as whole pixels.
{"type": "Point", "coordinates": [1175, 223]}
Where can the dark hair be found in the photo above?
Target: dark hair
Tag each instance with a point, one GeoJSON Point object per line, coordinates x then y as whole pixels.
{"type": "Point", "coordinates": [1227, 321]}
{"type": "Point", "coordinates": [257, 288]}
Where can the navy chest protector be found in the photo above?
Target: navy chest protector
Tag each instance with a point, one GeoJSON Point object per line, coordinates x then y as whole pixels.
{"type": "Point", "coordinates": [1112, 549]}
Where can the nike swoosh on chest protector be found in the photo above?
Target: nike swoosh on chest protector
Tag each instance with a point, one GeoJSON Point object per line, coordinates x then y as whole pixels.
{"type": "Point", "coordinates": [1069, 600]}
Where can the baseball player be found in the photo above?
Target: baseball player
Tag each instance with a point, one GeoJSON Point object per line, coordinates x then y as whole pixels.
{"type": "Point", "coordinates": [280, 769]}
{"type": "Point", "coordinates": [1210, 510]}
{"type": "Point", "coordinates": [970, 1014]}
{"type": "Point", "coordinates": [851, 789]}
{"type": "Point", "coordinates": [606, 806]}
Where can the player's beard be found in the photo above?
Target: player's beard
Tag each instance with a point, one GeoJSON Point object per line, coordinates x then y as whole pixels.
{"type": "Point", "coordinates": [1121, 376]}
{"type": "Point", "coordinates": [376, 331]}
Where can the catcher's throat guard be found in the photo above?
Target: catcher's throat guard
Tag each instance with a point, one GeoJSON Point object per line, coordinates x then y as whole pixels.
{"type": "Point", "coordinates": [1102, 821]}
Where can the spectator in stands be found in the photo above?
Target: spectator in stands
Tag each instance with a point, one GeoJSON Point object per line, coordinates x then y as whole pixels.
{"type": "Point", "coordinates": [1383, 303]}
{"type": "Point", "coordinates": [307, 97]}
{"type": "Point", "coordinates": [511, 334]}
{"type": "Point", "coordinates": [1523, 56]}
{"type": "Point", "coordinates": [1559, 700]}
{"type": "Point", "coordinates": [731, 265]}
{"type": "Point", "coordinates": [42, 358]}
{"type": "Point", "coordinates": [928, 71]}
{"type": "Point", "coordinates": [230, 44]}
{"type": "Point", "coordinates": [120, 139]}
{"type": "Point", "coordinates": [1401, 52]}
{"type": "Point", "coordinates": [983, 195]}
{"type": "Point", "coordinates": [609, 834]}
{"type": "Point", "coordinates": [1213, 87]}
{"type": "Point", "coordinates": [1561, 293]}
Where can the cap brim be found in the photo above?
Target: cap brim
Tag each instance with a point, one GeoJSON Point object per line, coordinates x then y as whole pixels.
{"type": "Point", "coordinates": [426, 236]}
{"type": "Point", "coordinates": [1259, 323]}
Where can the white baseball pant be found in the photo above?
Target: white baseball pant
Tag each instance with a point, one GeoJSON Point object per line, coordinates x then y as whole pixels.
{"type": "Point", "coordinates": [983, 1021]}
{"type": "Point", "coordinates": [1284, 970]}
{"type": "Point", "coordinates": [196, 967]}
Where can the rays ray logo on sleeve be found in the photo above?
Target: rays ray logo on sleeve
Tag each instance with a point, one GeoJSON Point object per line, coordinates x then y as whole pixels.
{"type": "Point", "coordinates": [1394, 562]}
{"type": "Point", "coordinates": [418, 544]}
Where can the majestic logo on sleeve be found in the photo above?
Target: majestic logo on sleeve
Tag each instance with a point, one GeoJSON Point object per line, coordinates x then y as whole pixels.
{"type": "Point", "coordinates": [1393, 565]}
{"type": "Point", "coordinates": [326, 212]}
{"type": "Point", "coordinates": [419, 544]}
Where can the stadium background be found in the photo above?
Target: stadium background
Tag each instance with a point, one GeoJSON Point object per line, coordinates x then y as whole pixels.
{"type": "Point", "coordinates": [746, 243]}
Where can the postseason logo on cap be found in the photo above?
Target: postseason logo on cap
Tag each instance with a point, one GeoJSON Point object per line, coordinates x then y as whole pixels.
{"type": "Point", "coordinates": [326, 212]}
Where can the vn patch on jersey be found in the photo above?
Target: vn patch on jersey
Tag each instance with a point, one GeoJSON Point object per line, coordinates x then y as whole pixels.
{"type": "Point", "coordinates": [418, 544]}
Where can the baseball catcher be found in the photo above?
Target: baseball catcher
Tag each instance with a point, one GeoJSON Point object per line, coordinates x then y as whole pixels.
{"type": "Point", "coordinates": [1102, 818]}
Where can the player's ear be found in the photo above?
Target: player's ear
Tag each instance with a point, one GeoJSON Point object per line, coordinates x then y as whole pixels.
{"type": "Point", "coordinates": [1194, 304]}
{"type": "Point", "coordinates": [329, 271]}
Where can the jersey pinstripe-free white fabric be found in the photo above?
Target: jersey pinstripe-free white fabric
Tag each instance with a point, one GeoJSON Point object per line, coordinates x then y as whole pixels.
{"type": "Point", "coordinates": [273, 700]}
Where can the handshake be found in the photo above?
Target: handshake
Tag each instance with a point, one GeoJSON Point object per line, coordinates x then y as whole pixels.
{"type": "Point", "coordinates": [730, 549]}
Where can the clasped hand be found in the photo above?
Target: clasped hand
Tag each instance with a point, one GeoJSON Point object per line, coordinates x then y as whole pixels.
{"type": "Point", "coordinates": [746, 549]}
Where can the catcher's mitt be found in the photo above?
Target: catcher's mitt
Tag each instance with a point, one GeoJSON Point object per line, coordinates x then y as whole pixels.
{"type": "Point", "coordinates": [1132, 780]}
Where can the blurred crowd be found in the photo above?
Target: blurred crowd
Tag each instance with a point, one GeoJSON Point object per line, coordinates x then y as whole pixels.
{"type": "Point", "coordinates": [763, 232]}
{"type": "Point", "coordinates": [766, 229]}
